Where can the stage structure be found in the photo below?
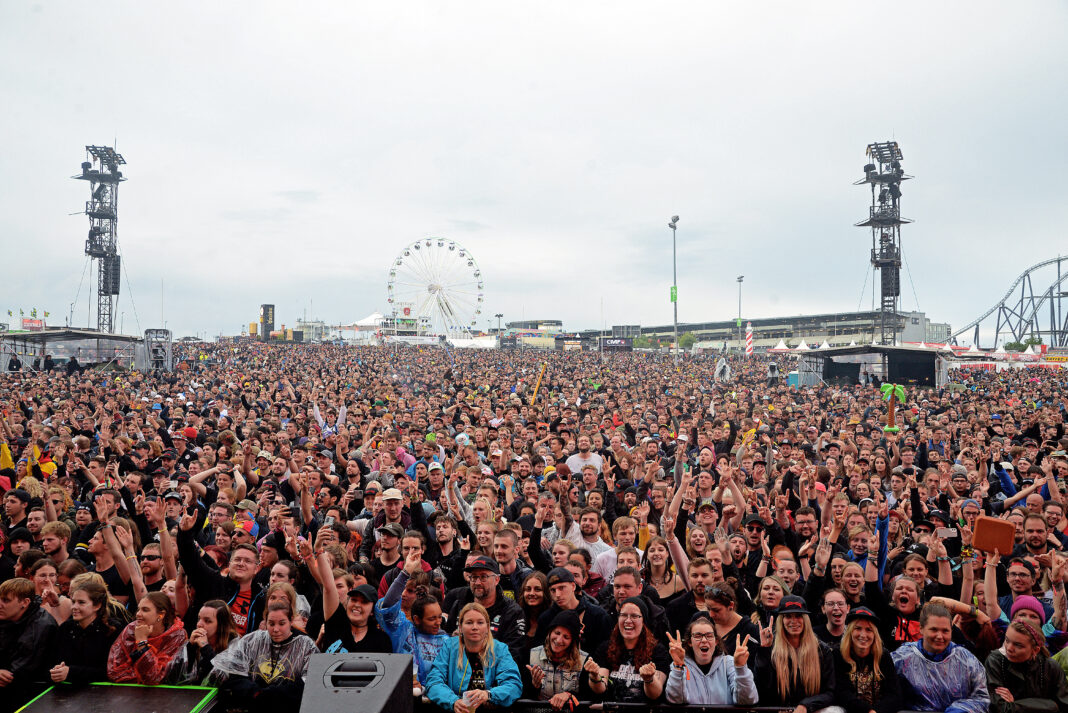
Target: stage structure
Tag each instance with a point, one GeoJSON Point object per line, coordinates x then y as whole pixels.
{"type": "Point", "coordinates": [884, 174]}
{"type": "Point", "coordinates": [908, 366]}
{"type": "Point", "coordinates": [157, 354]}
{"type": "Point", "coordinates": [103, 174]}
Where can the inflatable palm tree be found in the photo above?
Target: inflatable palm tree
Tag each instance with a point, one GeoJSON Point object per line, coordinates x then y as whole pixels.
{"type": "Point", "coordinates": [892, 393]}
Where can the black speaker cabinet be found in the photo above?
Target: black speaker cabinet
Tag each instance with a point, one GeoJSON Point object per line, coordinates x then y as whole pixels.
{"type": "Point", "coordinates": [368, 683]}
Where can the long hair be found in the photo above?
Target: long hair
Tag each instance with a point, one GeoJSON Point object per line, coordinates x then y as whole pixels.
{"type": "Point", "coordinates": [162, 604]}
{"type": "Point", "coordinates": [643, 651]}
{"type": "Point", "coordinates": [98, 595]}
{"type": "Point", "coordinates": [846, 648]}
{"type": "Point", "coordinates": [803, 661]}
{"type": "Point", "coordinates": [489, 658]}
{"type": "Point", "coordinates": [647, 566]}
{"type": "Point", "coordinates": [755, 616]}
{"type": "Point", "coordinates": [570, 659]}
{"type": "Point", "coordinates": [532, 613]}
{"type": "Point", "coordinates": [115, 608]}
{"type": "Point", "coordinates": [225, 630]}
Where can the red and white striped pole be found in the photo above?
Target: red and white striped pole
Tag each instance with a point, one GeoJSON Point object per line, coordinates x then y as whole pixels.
{"type": "Point", "coordinates": [748, 338]}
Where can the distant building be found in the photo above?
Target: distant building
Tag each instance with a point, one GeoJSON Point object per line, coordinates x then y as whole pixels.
{"type": "Point", "coordinates": [534, 327]}
{"type": "Point", "coordinates": [838, 329]}
{"type": "Point", "coordinates": [314, 330]}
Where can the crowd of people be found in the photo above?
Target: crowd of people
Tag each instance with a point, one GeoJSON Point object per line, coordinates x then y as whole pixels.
{"type": "Point", "coordinates": [622, 528]}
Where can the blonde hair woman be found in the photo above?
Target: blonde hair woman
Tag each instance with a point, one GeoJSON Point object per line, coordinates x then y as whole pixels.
{"type": "Point", "coordinates": [794, 667]}
{"type": "Point", "coordinates": [472, 668]}
{"type": "Point", "coordinates": [864, 670]}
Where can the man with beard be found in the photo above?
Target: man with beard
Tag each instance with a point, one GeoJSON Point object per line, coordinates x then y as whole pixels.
{"type": "Point", "coordinates": [506, 617]}
{"type": "Point", "coordinates": [590, 527]}
{"type": "Point", "coordinates": [584, 456]}
{"type": "Point", "coordinates": [54, 538]}
{"type": "Point", "coordinates": [152, 567]}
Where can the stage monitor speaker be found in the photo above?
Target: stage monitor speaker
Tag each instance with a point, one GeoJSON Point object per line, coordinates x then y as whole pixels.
{"type": "Point", "coordinates": [368, 683]}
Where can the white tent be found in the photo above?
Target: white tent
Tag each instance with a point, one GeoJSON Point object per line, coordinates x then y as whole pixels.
{"type": "Point", "coordinates": [371, 320]}
{"type": "Point", "coordinates": [1030, 351]}
{"type": "Point", "coordinates": [923, 345]}
{"type": "Point", "coordinates": [802, 347]}
{"type": "Point", "coordinates": [1000, 353]}
{"type": "Point", "coordinates": [972, 350]}
{"type": "Point", "coordinates": [852, 342]}
{"type": "Point", "coordinates": [825, 345]}
{"type": "Point", "coordinates": [947, 347]}
{"type": "Point", "coordinates": [780, 347]}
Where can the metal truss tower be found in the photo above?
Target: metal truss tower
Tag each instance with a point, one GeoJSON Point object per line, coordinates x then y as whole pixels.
{"type": "Point", "coordinates": [102, 245]}
{"type": "Point", "coordinates": [884, 174]}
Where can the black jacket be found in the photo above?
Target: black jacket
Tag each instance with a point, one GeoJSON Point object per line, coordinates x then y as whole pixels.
{"type": "Point", "coordinates": [85, 650]}
{"type": "Point", "coordinates": [211, 584]}
{"type": "Point", "coordinates": [886, 700]}
{"type": "Point", "coordinates": [764, 673]}
{"type": "Point", "coordinates": [26, 650]}
{"type": "Point", "coordinates": [507, 621]}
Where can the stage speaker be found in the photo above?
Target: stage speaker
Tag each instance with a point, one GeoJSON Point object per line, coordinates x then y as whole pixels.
{"type": "Point", "coordinates": [368, 683]}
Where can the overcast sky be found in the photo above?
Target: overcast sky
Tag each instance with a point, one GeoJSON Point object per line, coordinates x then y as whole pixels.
{"type": "Point", "coordinates": [287, 152]}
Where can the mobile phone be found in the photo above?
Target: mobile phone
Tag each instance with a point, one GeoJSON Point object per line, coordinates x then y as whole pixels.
{"type": "Point", "coordinates": [328, 521]}
{"type": "Point", "coordinates": [943, 533]}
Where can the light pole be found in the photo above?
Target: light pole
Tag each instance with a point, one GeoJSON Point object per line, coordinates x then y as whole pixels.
{"type": "Point", "coordinates": [674, 285]}
{"type": "Point", "coordinates": [498, 316]}
{"type": "Point", "coordinates": [740, 278]}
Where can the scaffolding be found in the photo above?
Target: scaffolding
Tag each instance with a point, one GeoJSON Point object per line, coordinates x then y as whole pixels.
{"type": "Point", "coordinates": [103, 174]}
{"type": "Point", "coordinates": [884, 174]}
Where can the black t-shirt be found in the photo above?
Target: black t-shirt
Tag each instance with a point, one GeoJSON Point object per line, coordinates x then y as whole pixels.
{"type": "Point", "coordinates": [114, 582]}
{"type": "Point", "coordinates": [338, 639]}
{"type": "Point", "coordinates": [625, 685]}
{"type": "Point", "coordinates": [478, 675]}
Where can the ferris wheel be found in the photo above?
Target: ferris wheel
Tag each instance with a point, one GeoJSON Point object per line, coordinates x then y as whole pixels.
{"type": "Point", "coordinates": [436, 285]}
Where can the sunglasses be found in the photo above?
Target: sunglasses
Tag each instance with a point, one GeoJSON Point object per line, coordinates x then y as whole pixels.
{"type": "Point", "coordinates": [150, 558]}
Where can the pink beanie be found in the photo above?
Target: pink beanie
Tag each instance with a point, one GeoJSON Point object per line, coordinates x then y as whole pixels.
{"type": "Point", "coordinates": [1026, 601]}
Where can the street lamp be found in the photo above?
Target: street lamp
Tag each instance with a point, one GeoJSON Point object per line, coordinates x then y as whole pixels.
{"type": "Point", "coordinates": [498, 316]}
{"type": "Point", "coordinates": [740, 278]}
{"type": "Point", "coordinates": [674, 285]}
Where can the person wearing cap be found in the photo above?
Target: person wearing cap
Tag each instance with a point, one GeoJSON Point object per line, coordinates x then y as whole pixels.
{"type": "Point", "coordinates": [474, 668]}
{"type": "Point", "coordinates": [410, 614]}
{"type": "Point", "coordinates": [632, 665]}
{"type": "Point", "coordinates": [507, 622]}
{"type": "Point", "coordinates": [935, 673]}
{"type": "Point", "coordinates": [559, 670]}
{"type": "Point", "coordinates": [349, 626]}
{"type": "Point", "coordinates": [566, 596]}
{"type": "Point", "coordinates": [794, 667]}
{"type": "Point", "coordinates": [865, 677]}
{"type": "Point", "coordinates": [392, 513]}
{"type": "Point", "coordinates": [703, 672]}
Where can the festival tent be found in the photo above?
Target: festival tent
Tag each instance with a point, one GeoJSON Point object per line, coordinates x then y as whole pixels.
{"type": "Point", "coordinates": [802, 347]}
{"type": "Point", "coordinates": [780, 347]}
{"type": "Point", "coordinates": [825, 345]}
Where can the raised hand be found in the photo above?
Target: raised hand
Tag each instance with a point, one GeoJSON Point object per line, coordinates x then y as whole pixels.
{"type": "Point", "coordinates": [741, 651]}
{"type": "Point", "coordinates": [767, 637]}
{"type": "Point", "coordinates": [676, 649]}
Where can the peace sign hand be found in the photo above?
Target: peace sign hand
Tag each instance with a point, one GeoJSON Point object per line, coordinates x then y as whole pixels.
{"type": "Point", "coordinates": [741, 651]}
{"type": "Point", "coordinates": [766, 637]}
{"type": "Point", "coordinates": [676, 649]}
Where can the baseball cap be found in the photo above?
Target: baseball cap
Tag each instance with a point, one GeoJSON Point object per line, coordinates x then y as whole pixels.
{"type": "Point", "coordinates": [560, 575]}
{"type": "Point", "coordinates": [366, 591]}
{"type": "Point", "coordinates": [391, 528]}
{"type": "Point", "coordinates": [484, 562]}
{"type": "Point", "coordinates": [170, 453]}
{"type": "Point", "coordinates": [249, 526]}
{"type": "Point", "coordinates": [246, 504]}
{"type": "Point", "coordinates": [173, 495]}
{"type": "Point", "coordinates": [392, 494]}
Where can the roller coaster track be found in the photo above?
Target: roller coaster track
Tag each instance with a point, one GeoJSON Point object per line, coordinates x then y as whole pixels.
{"type": "Point", "coordinates": [1024, 313]}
